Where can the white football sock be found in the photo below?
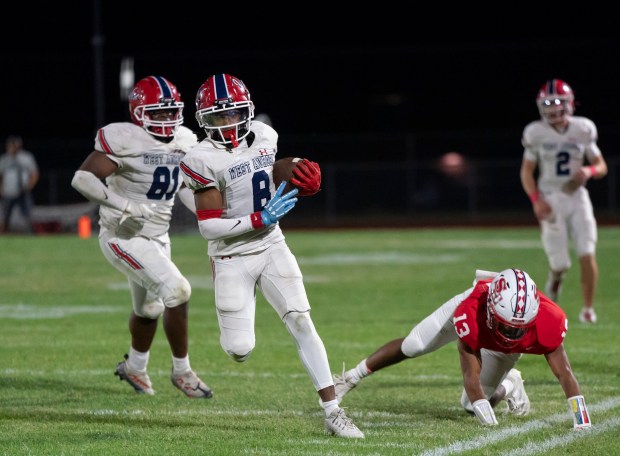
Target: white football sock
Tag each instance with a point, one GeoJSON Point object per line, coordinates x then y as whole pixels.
{"type": "Point", "coordinates": [180, 365]}
{"type": "Point", "coordinates": [358, 372]}
{"type": "Point", "coordinates": [330, 406]}
{"type": "Point", "coordinates": [137, 360]}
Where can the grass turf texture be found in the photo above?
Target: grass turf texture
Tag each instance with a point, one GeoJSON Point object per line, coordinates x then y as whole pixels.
{"type": "Point", "coordinates": [63, 328]}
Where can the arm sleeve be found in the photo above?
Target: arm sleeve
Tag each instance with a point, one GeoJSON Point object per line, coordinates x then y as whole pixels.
{"type": "Point", "coordinates": [187, 198]}
{"type": "Point", "coordinates": [218, 228]}
{"type": "Point", "coordinates": [96, 191]}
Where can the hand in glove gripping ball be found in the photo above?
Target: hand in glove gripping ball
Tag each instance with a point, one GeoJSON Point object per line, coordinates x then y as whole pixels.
{"type": "Point", "coordinates": [307, 177]}
{"type": "Point", "coordinates": [278, 206]}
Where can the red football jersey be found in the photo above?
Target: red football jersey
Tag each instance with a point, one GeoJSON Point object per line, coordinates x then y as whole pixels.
{"type": "Point", "coordinates": [470, 323]}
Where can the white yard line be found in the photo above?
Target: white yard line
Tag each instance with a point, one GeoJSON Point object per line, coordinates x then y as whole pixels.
{"type": "Point", "coordinates": [495, 436]}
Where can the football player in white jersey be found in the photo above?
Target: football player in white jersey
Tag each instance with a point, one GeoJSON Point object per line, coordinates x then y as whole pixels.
{"type": "Point", "coordinates": [564, 149]}
{"type": "Point", "coordinates": [139, 163]}
{"type": "Point", "coordinates": [238, 208]}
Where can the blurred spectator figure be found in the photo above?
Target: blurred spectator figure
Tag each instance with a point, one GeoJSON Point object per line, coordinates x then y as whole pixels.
{"type": "Point", "coordinates": [454, 166]}
{"type": "Point", "coordinates": [19, 173]}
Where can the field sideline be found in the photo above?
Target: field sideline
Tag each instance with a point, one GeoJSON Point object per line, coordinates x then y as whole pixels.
{"type": "Point", "coordinates": [63, 328]}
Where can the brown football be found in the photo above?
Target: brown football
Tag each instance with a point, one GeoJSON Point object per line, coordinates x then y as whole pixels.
{"type": "Point", "coordinates": [283, 171]}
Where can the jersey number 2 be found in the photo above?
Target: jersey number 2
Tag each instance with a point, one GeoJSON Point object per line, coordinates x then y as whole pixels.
{"type": "Point", "coordinates": [561, 165]}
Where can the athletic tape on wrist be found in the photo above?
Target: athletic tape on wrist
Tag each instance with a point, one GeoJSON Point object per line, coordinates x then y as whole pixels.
{"type": "Point", "coordinates": [577, 405]}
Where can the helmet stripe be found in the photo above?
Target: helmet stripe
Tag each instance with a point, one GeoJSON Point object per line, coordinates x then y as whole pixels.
{"type": "Point", "coordinates": [166, 91]}
{"type": "Point", "coordinates": [219, 84]}
{"type": "Point", "coordinates": [521, 293]}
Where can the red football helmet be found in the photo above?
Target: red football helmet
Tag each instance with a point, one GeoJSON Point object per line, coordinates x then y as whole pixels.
{"type": "Point", "coordinates": [555, 101]}
{"type": "Point", "coordinates": [512, 306]}
{"type": "Point", "coordinates": [224, 109]}
{"type": "Point", "coordinates": [155, 104]}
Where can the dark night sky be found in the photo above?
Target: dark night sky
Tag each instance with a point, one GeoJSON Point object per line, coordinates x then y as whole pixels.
{"type": "Point", "coordinates": [313, 73]}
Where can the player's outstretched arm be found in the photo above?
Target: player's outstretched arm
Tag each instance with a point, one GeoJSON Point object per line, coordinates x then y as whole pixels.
{"type": "Point", "coordinates": [470, 368]}
{"type": "Point", "coordinates": [560, 366]}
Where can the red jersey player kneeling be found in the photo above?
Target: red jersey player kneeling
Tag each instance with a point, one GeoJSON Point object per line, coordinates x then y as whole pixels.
{"type": "Point", "coordinates": [494, 322]}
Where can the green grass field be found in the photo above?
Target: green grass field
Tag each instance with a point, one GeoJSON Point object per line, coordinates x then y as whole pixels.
{"type": "Point", "coordinates": [63, 328]}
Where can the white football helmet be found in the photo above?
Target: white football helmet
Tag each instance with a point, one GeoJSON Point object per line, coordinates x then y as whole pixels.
{"type": "Point", "coordinates": [512, 306]}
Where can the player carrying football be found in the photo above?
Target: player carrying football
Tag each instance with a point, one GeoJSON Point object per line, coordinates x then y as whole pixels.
{"type": "Point", "coordinates": [238, 208]}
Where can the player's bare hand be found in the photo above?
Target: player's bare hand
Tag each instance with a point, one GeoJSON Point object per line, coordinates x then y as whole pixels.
{"type": "Point", "coordinates": [542, 210]}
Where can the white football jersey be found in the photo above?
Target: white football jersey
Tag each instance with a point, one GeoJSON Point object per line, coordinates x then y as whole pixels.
{"type": "Point", "coordinates": [244, 177]}
{"type": "Point", "coordinates": [559, 155]}
{"type": "Point", "coordinates": [148, 172]}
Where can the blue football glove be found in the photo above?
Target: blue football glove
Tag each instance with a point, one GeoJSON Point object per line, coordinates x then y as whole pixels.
{"type": "Point", "coordinates": [279, 205]}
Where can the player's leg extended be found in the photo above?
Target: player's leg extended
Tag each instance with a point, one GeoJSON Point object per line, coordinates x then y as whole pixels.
{"type": "Point", "coordinates": [554, 237]}
{"type": "Point", "coordinates": [282, 285]}
{"type": "Point", "coordinates": [148, 264]}
{"type": "Point", "coordinates": [235, 301]}
{"type": "Point", "coordinates": [585, 235]}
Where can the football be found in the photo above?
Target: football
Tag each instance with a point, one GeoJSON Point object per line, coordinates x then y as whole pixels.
{"type": "Point", "coordinates": [283, 171]}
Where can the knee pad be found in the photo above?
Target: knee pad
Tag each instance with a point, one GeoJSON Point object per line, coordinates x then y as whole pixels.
{"type": "Point", "coordinates": [412, 345]}
{"type": "Point", "coordinates": [559, 262]}
{"type": "Point", "coordinates": [178, 294]}
{"type": "Point", "coordinates": [298, 321]}
{"type": "Point", "coordinates": [149, 309]}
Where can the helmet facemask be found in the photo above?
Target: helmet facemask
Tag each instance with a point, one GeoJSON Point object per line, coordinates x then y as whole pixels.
{"type": "Point", "coordinates": [224, 109]}
{"type": "Point", "coordinates": [555, 110]}
{"type": "Point", "coordinates": [155, 105]}
{"type": "Point", "coordinates": [555, 101]}
{"type": "Point", "coordinates": [149, 117]}
{"type": "Point", "coordinates": [507, 334]}
{"type": "Point", "coordinates": [226, 126]}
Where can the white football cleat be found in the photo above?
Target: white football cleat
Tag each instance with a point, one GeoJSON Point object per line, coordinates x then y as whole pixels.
{"type": "Point", "coordinates": [587, 315]}
{"type": "Point", "coordinates": [340, 425]}
{"type": "Point", "coordinates": [191, 385]}
{"type": "Point", "coordinates": [139, 380]}
{"type": "Point", "coordinates": [517, 400]}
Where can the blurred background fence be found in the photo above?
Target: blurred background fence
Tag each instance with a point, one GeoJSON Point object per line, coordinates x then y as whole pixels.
{"type": "Point", "coordinates": [443, 178]}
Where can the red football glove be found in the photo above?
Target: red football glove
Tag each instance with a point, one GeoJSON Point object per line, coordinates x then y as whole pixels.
{"type": "Point", "coordinates": [307, 177]}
